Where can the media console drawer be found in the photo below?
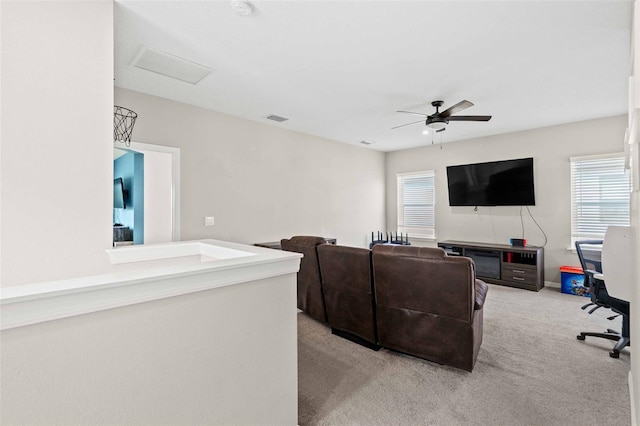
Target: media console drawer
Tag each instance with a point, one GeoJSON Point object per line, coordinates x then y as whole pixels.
{"type": "Point", "coordinates": [520, 273]}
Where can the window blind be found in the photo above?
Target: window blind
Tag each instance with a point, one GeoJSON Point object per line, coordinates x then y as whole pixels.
{"type": "Point", "coordinates": [600, 195]}
{"type": "Point", "coordinates": [416, 204]}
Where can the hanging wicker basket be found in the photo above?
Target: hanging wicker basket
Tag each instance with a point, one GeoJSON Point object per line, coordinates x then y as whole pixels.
{"type": "Point", "coordinates": [123, 121]}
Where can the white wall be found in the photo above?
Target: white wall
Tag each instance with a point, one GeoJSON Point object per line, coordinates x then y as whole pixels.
{"type": "Point", "coordinates": [158, 221]}
{"type": "Point", "coordinates": [56, 148]}
{"type": "Point", "coordinates": [260, 182]}
{"type": "Point", "coordinates": [550, 147]}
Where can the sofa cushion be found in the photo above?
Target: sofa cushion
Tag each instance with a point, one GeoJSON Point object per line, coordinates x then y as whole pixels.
{"type": "Point", "coordinates": [441, 286]}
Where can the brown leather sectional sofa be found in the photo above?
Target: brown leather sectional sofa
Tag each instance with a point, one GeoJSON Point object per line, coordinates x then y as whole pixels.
{"type": "Point", "coordinates": [415, 300]}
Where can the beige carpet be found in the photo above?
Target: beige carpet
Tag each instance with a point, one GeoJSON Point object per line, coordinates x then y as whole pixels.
{"type": "Point", "coordinates": [531, 370]}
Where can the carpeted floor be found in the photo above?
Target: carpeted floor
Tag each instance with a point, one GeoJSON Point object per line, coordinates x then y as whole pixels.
{"type": "Point", "coordinates": [531, 370]}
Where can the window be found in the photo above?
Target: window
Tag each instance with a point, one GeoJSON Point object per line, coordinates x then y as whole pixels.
{"type": "Point", "coordinates": [600, 195]}
{"type": "Point", "coordinates": [416, 204]}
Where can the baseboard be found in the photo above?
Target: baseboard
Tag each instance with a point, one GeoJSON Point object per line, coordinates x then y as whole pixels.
{"type": "Point", "coordinates": [551, 284]}
{"type": "Point", "coordinates": [634, 420]}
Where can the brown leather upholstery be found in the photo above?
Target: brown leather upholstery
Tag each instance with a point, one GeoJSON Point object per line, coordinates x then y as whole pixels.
{"type": "Point", "coordinates": [347, 283]}
{"type": "Point", "coordinates": [310, 297]}
{"type": "Point", "coordinates": [428, 304]}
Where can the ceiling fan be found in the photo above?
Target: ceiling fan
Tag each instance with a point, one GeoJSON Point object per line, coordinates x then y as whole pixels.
{"type": "Point", "coordinates": [439, 120]}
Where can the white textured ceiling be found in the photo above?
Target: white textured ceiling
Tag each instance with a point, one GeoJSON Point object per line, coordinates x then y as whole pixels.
{"type": "Point", "coordinates": [341, 69]}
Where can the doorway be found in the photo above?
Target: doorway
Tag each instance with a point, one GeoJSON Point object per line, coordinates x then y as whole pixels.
{"type": "Point", "coordinates": [158, 193]}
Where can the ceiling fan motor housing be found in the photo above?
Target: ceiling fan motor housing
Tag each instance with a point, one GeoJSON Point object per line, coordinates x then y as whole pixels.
{"type": "Point", "coordinates": [435, 122]}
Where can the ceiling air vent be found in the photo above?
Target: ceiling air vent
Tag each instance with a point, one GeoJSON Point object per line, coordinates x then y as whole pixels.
{"type": "Point", "coordinates": [170, 65]}
{"type": "Point", "coordinates": [276, 118]}
{"type": "Point", "coordinates": [364, 142]}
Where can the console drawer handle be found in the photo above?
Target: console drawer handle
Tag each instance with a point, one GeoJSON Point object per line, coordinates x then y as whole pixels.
{"type": "Point", "coordinates": [517, 271]}
{"type": "Point", "coordinates": [518, 278]}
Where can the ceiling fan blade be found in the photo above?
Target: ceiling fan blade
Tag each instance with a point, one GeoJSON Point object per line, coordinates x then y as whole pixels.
{"type": "Point", "coordinates": [457, 107]}
{"type": "Point", "coordinates": [414, 113]}
{"type": "Point", "coordinates": [408, 124]}
{"type": "Point", "coordinates": [441, 130]}
{"type": "Point", "coordinates": [469, 118]}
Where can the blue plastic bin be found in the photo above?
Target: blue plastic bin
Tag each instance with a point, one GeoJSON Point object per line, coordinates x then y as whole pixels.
{"type": "Point", "coordinates": [572, 281]}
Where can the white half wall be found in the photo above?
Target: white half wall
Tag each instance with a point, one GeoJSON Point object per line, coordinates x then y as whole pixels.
{"type": "Point", "coordinates": [260, 182]}
{"type": "Point", "coordinates": [550, 148]}
{"type": "Point", "coordinates": [57, 131]}
{"type": "Point", "coordinates": [222, 356]}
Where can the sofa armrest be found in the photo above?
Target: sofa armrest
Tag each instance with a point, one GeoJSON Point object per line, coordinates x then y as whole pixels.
{"type": "Point", "coordinates": [481, 294]}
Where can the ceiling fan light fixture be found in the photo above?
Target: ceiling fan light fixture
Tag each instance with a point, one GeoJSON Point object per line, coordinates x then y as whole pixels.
{"type": "Point", "coordinates": [437, 125]}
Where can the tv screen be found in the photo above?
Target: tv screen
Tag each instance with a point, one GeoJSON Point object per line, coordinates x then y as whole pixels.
{"type": "Point", "coordinates": [496, 183]}
{"type": "Point", "coordinates": [118, 194]}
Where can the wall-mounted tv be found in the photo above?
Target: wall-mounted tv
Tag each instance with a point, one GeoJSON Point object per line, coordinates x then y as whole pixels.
{"type": "Point", "coordinates": [118, 194]}
{"type": "Point", "coordinates": [495, 183]}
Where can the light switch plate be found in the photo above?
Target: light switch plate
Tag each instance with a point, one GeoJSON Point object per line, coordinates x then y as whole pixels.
{"type": "Point", "coordinates": [208, 221]}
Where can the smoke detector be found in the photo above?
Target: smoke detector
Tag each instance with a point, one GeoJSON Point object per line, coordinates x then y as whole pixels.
{"type": "Point", "coordinates": [242, 7]}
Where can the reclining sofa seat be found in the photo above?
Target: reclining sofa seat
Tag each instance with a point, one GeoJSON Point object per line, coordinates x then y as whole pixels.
{"type": "Point", "coordinates": [428, 304]}
{"type": "Point", "coordinates": [310, 296]}
{"type": "Point", "coordinates": [347, 284]}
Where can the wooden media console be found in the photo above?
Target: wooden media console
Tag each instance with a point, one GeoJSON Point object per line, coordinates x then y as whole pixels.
{"type": "Point", "coordinates": [521, 267]}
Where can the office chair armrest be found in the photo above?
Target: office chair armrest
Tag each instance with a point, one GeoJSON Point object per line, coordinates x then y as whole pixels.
{"type": "Point", "coordinates": [588, 277]}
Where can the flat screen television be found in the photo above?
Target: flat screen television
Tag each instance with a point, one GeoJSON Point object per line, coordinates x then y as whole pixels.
{"type": "Point", "coordinates": [118, 194]}
{"type": "Point", "coordinates": [495, 183]}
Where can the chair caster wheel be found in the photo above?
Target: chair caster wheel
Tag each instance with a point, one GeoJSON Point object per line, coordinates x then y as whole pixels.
{"type": "Point", "coordinates": [580, 337]}
{"type": "Point", "coordinates": [614, 354]}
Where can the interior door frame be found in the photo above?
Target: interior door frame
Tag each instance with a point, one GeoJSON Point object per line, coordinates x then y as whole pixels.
{"type": "Point", "coordinates": [175, 179]}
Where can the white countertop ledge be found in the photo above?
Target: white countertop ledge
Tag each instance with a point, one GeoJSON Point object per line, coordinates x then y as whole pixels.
{"type": "Point", "coordinates": [167, 251]}
{"type": "Point", "coordinates": [143, 273]}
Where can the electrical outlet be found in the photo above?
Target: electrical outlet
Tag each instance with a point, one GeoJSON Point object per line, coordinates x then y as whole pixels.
{"type": "Point", "coordinates": [208, 221]}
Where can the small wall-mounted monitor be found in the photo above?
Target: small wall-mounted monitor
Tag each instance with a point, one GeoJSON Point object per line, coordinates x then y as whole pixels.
{"type": "Point", "coordinates": [118, 194]}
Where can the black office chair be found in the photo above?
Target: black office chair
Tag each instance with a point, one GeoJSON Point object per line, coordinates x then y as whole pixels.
{"type": "Point", "coordinates": [589, 253]}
